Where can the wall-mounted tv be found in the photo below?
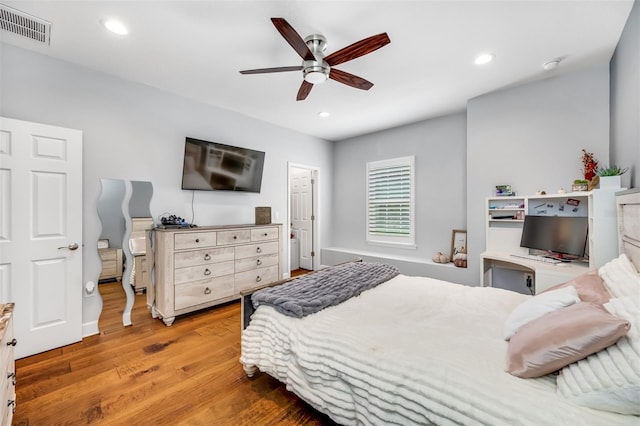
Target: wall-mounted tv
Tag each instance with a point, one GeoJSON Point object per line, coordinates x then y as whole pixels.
{"type": "Point", "coordinates": [556, 234]}
{"type": "Point", "coordinates": [212, 166]}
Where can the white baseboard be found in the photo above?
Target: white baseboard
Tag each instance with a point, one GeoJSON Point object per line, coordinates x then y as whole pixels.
{"type": "Point", "coordinates": [90, 328]}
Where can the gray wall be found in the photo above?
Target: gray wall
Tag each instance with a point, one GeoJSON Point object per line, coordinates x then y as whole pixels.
{"type": "Point", "coordinates": [625, 100]}
{"type": "Point", "coordinates": [531, 137]}
{"type": "Point", "coordinates": [135, 132]}
{"type": "Point", "coordinates": [439, 146]}
{"type": "Point", "coordinates": [140, 201]}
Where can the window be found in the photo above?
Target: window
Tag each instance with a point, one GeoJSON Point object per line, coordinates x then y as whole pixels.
{"type": "Point", "coordinates": [390, 205]}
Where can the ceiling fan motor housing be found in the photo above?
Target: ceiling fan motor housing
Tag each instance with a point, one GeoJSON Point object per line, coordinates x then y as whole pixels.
{"type": "Point", "coordinates": [316, 71]}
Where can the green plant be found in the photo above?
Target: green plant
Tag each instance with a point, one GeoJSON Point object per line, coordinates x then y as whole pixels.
{"type": "Point", "coordinates": [612, 171]}
{"type": "Point", "coordinates": [580, 182]}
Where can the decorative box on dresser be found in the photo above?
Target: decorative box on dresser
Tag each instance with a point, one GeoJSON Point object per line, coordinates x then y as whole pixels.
{"type": "Point", "coordinates": [196, 268]}
{"type": "Point", "coordinates": [8, 375]}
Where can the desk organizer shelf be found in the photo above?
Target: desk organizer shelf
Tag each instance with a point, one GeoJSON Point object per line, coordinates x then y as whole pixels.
{"type": "Point", "coordinates": [504, 218]}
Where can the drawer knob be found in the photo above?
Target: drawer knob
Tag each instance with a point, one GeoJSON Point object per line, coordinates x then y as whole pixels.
{"type": "Point", "coordinates": [258, 250]}
{"type": "Point", "coordinates": [207, 290]}
{"type": "Point", "coordinates": [12, 376]}
{"type": "Point", "coordinates": [259, 262]}
{"type": "Point", "coordinates": [258, 279]}
{"type": "Point", "coordinates": [13, 342]}
{"type": "Point", "coordinates": [207, 271]}
{"type": "Point", "coordinates": [235, 237]}
{"type": "Point", "coordinates": [265, 234]}
{"type": "Point", "coordinates": [197, 240]}
{"type": "Point", "coordinates": [207, 257]}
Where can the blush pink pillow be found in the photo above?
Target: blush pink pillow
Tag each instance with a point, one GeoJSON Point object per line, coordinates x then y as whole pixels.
{"type": "Point", "coordinates": [561, 337]}
{"type": "Point", "coordinates": [590, 288]}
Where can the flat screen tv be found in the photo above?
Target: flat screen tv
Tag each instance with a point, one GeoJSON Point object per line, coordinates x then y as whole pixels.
{"type": "Point", "coordinates": [212, 166]}
{"type": "Point", "coordinates": [556, 235]}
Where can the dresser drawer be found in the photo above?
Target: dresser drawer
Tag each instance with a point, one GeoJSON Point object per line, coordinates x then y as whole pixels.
{"type": "Point", "coordinates": [234, 237]}
{"type": "Point", "coordinates": [7, 372]}
{"type": "Point", "coordinates": [8, 400]}
{"type": "Point", "coordinates": [199, 292]}
{"type": "Point", "coordinates": [250, 279]}
{"type": "Point", "coordinates": [108, 254]}
{"type": "Point", "coordinates": [252, 250]}
{"type": "Point", "coordinates": [202, 257]}
{"type": "Point", "coordinates": [108, 269]}
{"type": "Point", "coordinates": [6, 349]}
{"type": "Point", "coordinates": [191, 240]}
{"type": "Point", "coordinates": [252, 263]}
{"type": "Point", "coordinates": [262, 234]}
{"type": "Point", "coordinates": [201, 272]}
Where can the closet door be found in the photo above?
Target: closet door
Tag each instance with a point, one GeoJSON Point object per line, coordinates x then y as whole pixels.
{"type": "Point", "coordinates": [41, 233]}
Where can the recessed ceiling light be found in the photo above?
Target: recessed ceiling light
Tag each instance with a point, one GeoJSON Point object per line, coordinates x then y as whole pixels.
{"type": "Point", "coordinates": [324, 114]}
{"type": "Point", "coordinates": [115, 26]}
{"type": "Point", "coordinates": [485, 58]}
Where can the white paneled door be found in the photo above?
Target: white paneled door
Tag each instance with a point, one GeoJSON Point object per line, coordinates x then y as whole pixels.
{"type": "Point", "coordinates": [302, 214]}
{"type": "Point", "coordinates": [41, 233]}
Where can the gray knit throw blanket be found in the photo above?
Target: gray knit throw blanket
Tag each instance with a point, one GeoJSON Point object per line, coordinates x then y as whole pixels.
{"type": "Point", "coordinates": [311, 293]}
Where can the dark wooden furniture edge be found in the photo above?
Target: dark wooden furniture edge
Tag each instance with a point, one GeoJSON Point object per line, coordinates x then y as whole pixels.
{"type": "Point", "coordinates": [246, 307]}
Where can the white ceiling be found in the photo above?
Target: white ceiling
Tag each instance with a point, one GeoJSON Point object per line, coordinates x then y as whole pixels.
{"type": "Point", "coordinates": [196, 48]}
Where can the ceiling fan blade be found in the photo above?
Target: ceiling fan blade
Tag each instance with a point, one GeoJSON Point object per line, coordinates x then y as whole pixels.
{"type": "Point", "coordinates": [350, 79]}
{"type": "Point", "coordinates": [293, 38]}
{"type": "Point", "coordinates": [357, 49]}
{"type": "Point", "coordinates": [304, 90]}
{"type": "Point", "coordinates": [276, 69]}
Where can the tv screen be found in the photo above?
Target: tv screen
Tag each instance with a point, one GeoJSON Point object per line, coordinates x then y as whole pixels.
{"type": "Point", "coordinates": [212, 166]}
{"type": "Point", "coordinates": [556, 234]}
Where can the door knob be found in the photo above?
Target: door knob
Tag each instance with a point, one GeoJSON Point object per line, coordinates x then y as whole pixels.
{"type": "Point", "coordinates": [71, 247]}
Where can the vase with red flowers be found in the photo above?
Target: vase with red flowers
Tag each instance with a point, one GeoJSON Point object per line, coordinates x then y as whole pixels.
{"type": "Point", "coordinates": [589, 165]}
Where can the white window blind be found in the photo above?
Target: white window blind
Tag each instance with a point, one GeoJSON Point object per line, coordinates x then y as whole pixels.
{"type": "Point", "coordinates": [390, 201]}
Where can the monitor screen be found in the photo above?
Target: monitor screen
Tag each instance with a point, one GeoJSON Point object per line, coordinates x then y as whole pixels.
{"type": "Point", "coordinates": [556, 234]}
{"type": "Point", "coordinates": [212, 166]}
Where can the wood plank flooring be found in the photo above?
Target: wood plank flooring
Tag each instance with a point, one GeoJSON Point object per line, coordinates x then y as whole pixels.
{"type": "Point", "coordinates": [150, 374]}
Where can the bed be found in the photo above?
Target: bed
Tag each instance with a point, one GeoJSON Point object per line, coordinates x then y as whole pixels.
{"type": "Point", "coordinates": [415, 350]}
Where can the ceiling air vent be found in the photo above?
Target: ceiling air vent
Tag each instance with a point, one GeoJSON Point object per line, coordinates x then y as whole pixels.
{"type": "Point", "coordinates": [25, 25]}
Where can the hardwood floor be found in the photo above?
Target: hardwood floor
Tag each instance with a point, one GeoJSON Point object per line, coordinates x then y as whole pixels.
{"type": "Point", "coordinates": [298, 272]}
{"type": "Point", "coordinates": [150, 374]}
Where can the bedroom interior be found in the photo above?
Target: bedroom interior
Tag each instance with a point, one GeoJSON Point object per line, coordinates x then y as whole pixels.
{"type": "Point", "coordinates": [526, 129]}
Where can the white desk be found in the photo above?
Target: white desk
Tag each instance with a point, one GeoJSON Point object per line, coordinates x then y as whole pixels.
{"type": "Point", "coordinates": [545, 274]}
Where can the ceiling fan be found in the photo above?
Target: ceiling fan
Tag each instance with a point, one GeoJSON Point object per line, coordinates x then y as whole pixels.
{"type": "Point", "coordinates": [316, 67]}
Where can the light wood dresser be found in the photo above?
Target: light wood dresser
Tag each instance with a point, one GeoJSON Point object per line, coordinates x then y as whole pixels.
{"type": "Point", "coordinates": [111, 263]}
{"type": "Point", "coordinates": [196, 268]}
{"type": "Point", "coordinates": [8, 374]}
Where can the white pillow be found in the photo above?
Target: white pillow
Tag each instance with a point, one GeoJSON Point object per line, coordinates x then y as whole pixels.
{"type": "Point", "coordinates": [537, 306]}
{"type": "Point", "coordinates": [610, 379]}
{"type": "Point", "coordinates": [620, 277]}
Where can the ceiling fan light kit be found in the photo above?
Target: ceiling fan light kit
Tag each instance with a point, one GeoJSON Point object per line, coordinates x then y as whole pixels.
{"type": "Point", "coordinates": [316, 68]}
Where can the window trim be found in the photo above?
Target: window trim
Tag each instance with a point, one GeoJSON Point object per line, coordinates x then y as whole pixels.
{"type": "Point", "coordinates": [390, 240]}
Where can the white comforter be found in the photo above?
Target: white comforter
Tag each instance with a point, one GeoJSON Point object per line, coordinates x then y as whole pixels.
{"type": "Point", "coordinates": [413, 350]}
